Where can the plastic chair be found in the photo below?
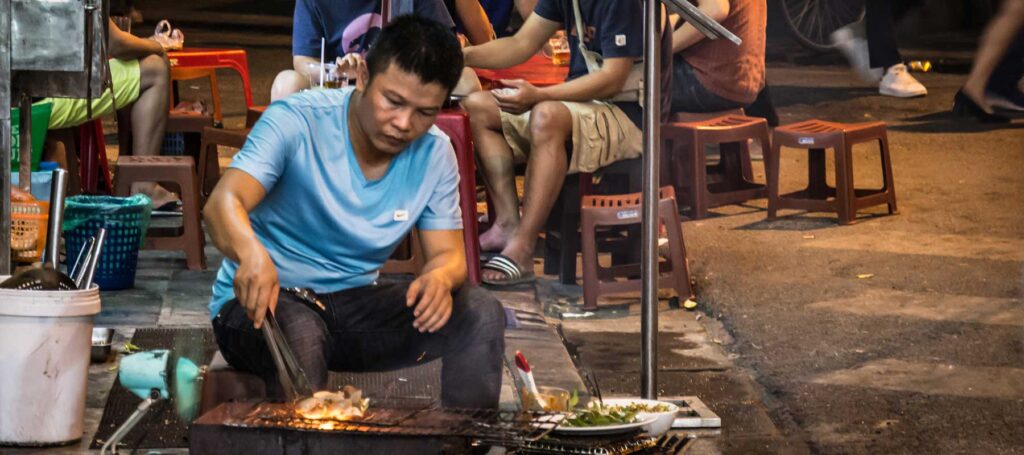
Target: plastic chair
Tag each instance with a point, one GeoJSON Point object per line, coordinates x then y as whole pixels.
{"type": "Point", "coordinates": [179, 171]}
{"type": "Point", "coordinates": [683, 146]}
{"type": "Point", "coordinates": [624, 210]}
{"type": "Point", "coordinates": [815, 136]}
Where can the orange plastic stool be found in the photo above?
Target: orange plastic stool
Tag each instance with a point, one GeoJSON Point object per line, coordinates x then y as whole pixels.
{"type": "Point", "coordinates": [186, 74]}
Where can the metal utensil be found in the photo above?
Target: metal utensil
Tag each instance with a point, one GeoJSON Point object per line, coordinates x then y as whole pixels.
{"type": "Point", "coordinates": [94, 258]}
{"type": "Point", "coordinates": [58, 185]}
{"type": "Point", "coordinates": [78, 272]}
{"type": "Point", "coordinates": [293, 380]}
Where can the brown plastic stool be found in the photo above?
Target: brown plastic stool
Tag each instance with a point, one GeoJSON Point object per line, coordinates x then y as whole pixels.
{"type": "Point", "coordinates": [253, 114]}
{"type": "Point", "coordinates": [620, 210]}
{"type": "Point", "coordinates": [407, 257]}
{"type": "Point", "coordinates": [688, 170]}
{"type": "Point", "coordinates": [180, 171]}
{"type": "Point", "coordinates": [209, 163]}
{"type": "Point", "coordinates": [844, 199]}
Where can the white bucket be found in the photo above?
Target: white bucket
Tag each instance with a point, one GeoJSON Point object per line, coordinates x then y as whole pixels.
{"type": "Point", "coordinates": [45, 340]}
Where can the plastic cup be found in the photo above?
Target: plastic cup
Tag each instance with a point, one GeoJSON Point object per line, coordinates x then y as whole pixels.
{"type": "Point", "coordinates": [556, 399]}
{"type": "Point", "coordinates": [331, 77]}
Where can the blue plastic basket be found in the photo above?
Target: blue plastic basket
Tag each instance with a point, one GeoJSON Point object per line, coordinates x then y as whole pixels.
{"type": "Point", "coordinates": [126, 220]}
{"type": "Point", "coordinates": [174, 144]}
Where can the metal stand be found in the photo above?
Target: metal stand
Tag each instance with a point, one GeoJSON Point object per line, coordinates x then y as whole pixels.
{"type": "Point", "coordinates": [47, 49]}
{"type": "Point", "coordinates": [651, 186]}
{"type": "Point", "coordinates": [649, 202]}
{"type": "Point", "coordinates": [5, 136]}
{"type": "Point", "coordinates": [130, 423]}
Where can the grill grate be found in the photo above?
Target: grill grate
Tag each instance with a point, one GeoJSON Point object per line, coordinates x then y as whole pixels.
{"type": "Point", "coordinates": [508, 428]}
{"type": "Point", "coordinates": [590, 446]}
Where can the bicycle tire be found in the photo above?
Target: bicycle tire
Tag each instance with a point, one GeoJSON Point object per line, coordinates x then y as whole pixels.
{"type": "Point", "coordinates": [812, 21]}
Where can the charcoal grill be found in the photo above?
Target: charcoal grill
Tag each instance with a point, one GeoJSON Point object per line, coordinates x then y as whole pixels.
{"type": "Point", "coordinates": [272, 428]}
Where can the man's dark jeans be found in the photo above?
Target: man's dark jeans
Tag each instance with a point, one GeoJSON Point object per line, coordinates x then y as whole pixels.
{"type": "Point", "coordinates": [370, 329]}
{"type": "Point", "coordinates": [689, 95]}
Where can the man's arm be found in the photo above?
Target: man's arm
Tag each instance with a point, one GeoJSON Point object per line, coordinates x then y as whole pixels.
{"type": "Point", "coordinates": [301, 64]}
{"type": "Point", "coordinates": [227, 220]}
{"type": "Point", "coordinates": [445, 270]}
{"type": "Point", "coordinates": [687, 35]}
{"type": "Point", "coordinates": [525, 7]}
{"type": "Point", "coordinates": [515, 49]}
{"type": "Point", "coordinates": [125, 46]}
{"type": "Point", "coordinates": [603, 84]}
{"type": "Point", "coordinates": [475, 21]}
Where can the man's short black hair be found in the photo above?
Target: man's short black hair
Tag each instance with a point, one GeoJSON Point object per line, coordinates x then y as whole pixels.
{"type": "Point", "coordinates": [420, 46]}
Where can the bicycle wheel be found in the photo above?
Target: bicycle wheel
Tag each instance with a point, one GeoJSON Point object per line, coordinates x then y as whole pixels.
{"type": "Point", "coordinates": [812, 21]}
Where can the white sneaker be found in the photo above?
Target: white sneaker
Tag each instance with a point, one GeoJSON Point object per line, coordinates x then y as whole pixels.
{"type": "Point", "coordinates": [899, 83]}
{"type": "Point", "coordinates": [855, 49]}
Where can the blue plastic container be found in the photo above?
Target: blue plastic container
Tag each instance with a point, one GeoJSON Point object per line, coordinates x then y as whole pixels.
{"type": "Point", "coordinates": [126, 220]}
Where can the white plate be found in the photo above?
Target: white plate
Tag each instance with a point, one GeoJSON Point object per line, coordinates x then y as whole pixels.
{"type": "Point", "coordinates": [605, 429]}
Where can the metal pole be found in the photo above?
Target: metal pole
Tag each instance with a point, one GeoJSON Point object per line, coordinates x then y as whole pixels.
{"type": "Point", "coordinates": [5, 137]}
{"type": "Point", "coordinates": [649, 236]}
{"type": "Point", "coordinates": [24, 143]}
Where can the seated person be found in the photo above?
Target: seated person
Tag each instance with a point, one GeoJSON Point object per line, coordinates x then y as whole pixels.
{"type": "Point", "coordinates": [348, 27]}
{"type": "Point", "coordinates": [471, 20]}
{"type": "Point", "coordinates": [717, 75]}
{"type": "Point", "coordinates": [327, 185]}
{"type": "Point", "coordinates": [139, 74]}
{"type": "Point", "coordinates": [525, 7]}
{"type": "Point", "coordinates": [558, 129]}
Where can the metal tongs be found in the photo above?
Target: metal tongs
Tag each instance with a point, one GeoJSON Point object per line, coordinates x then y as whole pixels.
{"type": "Point", "coordinates": [293, 380]}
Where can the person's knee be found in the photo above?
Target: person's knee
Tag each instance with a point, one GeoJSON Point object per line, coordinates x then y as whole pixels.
{"type": "Point", "coordinates": [550, 121]}
{"type": "Point", "coordinates": [480, 104]}
{"type": "Point", "coordinates": [484, 315]}
{"type": "Point", "coordinates": [483, 110]}
{"type": "Point", "coordinates": [286, 83]}
{"type": "Point", "coordinates": [155, 71]}
{"type": "Point", "coordinates": [468, 83]}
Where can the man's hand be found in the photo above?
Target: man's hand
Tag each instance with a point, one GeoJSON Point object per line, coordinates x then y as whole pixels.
{"type": "Point", "coordinates": [256, 285]}
{"type": "Point", "coordinates": [521, 98]}
{"type": "Point", "coordinates": [431, 297]}
{"type": "Point", "coordinates": [351, 64]}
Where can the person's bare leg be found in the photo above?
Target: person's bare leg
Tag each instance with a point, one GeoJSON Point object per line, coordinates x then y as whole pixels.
{"type": "Point", "coordinates": [998, 35]}
{"type": "Point", "coordinates": [287, 82]}
{"type": "Point", "coordinates": [550, 127]}
{"type": "Point", "coordinates": [468, 83]}
{"type": "Point", "coordinates": [149, 113]}
{"type": "Point", "coordinates": [149, 120]}
{"type": "Point", "coordinates": [497, 167]}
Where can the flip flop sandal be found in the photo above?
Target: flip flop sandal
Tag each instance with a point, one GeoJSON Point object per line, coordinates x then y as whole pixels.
{"type": "Point", "coordinates": [486, 256]}
{"type": "Point", "coordinates": [513, 274]}
{"type": "Point", "coordinates": [172, 208]}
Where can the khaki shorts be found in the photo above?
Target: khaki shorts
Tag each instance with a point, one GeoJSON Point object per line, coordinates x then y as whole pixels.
{"type": "Point", "coordinates": [601, 134]}
{"type": "Point", "coordinates": [126, 78]}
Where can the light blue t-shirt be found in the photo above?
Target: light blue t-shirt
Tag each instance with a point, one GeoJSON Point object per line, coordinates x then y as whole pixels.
{"type": "Point", "coordinates": [325, 226]}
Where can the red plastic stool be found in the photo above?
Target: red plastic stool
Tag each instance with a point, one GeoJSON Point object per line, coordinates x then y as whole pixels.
{"type": "Point", "coordinates": [815, 136]}
{"type": "Point", "coordinates": [688, 167]}
{"type": "Point", "coordinates": [621, 210]}
{"type": "Point", "coordinates": [180, 171]}
{"type": "Point", "coordinates": [455, 123]}
{"type": "Point", "coordinates": [92, 155]}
